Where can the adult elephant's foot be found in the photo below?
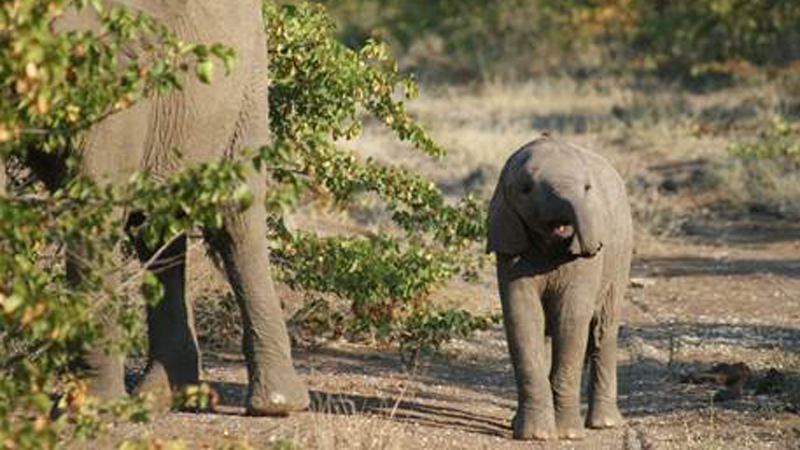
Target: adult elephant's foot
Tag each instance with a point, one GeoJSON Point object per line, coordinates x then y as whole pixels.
{"type": "Point", "coordinates": [604, 416]}
{"type": "Point", "coordinates": [155, 388]}
{"type": "Point", "coordinates": [281, 395]}
{"type": "Point", "coordinates": [534, 425]}
{"type": "Point", "coordinates": [105, 376]}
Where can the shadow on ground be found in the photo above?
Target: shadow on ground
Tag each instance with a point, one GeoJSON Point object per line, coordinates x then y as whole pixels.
{"type": "Point", "coordinates": [650, 382]}
{"type": "Point", "coordinates": [753, 229]}
{"type": "Point", "coordinates": [648, 386]}
{"type": "Point", "coordinates": [742, 336]}
{"type": "Point", "coordinates": [439, 416]}
{"type": "Point", "coordinates": [681, 266]}
{"type": "Point", "coordinates": [395, 408]}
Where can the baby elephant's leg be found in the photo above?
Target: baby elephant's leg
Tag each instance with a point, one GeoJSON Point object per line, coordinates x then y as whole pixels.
{"type": "Point", "coordinates": [573, 314]}
{"type": "Point", "coordinates": [523, 317]}
{"type": "Point", "coordinates": [603, 412]}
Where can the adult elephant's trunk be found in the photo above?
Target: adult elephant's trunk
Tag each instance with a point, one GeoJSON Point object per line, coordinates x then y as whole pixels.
{"type": "Point", "coordinates": [586, 242]}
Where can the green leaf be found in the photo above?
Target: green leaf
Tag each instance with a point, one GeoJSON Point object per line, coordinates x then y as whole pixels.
{"type": "Point", "coordinates": [205, 71]}
{"type": "Point", "coordinates": [11, 303]}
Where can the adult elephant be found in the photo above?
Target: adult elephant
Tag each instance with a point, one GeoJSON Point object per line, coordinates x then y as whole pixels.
{"type": "Point", "coordinates": [560, 225]}
{"type": "Point", "coordinates": [204, 122]}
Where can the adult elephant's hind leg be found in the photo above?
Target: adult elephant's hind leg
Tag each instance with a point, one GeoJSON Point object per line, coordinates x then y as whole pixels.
{"type": "Point", "coordinates": [174, 355]}
{"type": "Point", "coordinates": [274, 386]}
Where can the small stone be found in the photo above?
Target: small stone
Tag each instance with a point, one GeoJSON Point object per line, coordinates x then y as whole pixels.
{"type": "Point", "coordinates": [642, 282]}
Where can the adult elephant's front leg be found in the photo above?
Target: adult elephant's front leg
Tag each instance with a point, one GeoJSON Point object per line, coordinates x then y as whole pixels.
{"type": "Point", "coordinates": [524, 322]}
{"type": "Point", "coordinates": [571, 322]}
{"type": "Point", "coordinates": [274, 386]}
{"type": "Point", "coordinates": [103, 365]}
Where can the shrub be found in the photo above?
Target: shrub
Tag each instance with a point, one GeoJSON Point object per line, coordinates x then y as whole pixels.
{"type": "Point", "coordinates": [778, 140]}
{"type": "Point", "coordinates": [763, 173]}
{"type": "Point", "coordinates": [320, 89]}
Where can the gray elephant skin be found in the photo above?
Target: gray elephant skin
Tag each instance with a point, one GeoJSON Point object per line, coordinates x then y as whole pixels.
{"type": "Point", "coordinates": [560, 225]}
{"type": "Point", "coordinates": [204, 123]}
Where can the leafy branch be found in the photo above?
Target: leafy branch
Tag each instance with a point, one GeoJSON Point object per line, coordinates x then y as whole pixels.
{"type": "Point", "coordinates": [321, 93]}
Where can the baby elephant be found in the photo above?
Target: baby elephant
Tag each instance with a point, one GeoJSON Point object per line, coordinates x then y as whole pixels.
{"type": "Point", "coordinates": [560, 225]}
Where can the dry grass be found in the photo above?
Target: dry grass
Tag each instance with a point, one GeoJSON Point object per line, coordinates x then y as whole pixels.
{"type": "Point", "coordinates": [630, 122]}
{"type": "Point", "coordinates": [332, 432]}
{"type": "Point", "coordinates": [761, 184]}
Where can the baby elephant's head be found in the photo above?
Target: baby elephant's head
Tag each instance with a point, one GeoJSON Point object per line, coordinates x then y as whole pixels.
{"type": "Point", "coordinates": [546, 199]}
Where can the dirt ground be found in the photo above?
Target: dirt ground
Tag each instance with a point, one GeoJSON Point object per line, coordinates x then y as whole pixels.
{"type": "Point", "coordinates": [710, 291]}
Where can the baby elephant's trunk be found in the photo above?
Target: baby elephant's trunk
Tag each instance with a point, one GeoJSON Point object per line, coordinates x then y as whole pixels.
{"type": "Point", "coordinates": [586, 242]}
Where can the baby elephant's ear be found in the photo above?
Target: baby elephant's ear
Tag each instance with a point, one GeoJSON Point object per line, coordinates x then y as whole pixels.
{"type": "Point", "coordinates": [506, 232]}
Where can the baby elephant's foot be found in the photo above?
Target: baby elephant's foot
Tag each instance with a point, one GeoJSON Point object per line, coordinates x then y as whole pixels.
{"type": "Point", "coordinates": [570, 426]}
{"type": "Point", "coordinates": [606, 416]}
{"type": "Point", "coordinates": [571, 433]}
{"type": "Point", "coordinates": [534, 425]}
{"type": "Point", "coordinates": [278, 399]}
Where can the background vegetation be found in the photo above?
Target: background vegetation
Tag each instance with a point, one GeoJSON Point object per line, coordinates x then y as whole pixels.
{"type": "Point", "coordinates": [471, 39]}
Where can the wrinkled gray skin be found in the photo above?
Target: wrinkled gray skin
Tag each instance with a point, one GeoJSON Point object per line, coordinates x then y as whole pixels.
{"type": "Point", "coordinates": [560, 225]}
{"type": "Point", "coordinates": [205, 123]}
